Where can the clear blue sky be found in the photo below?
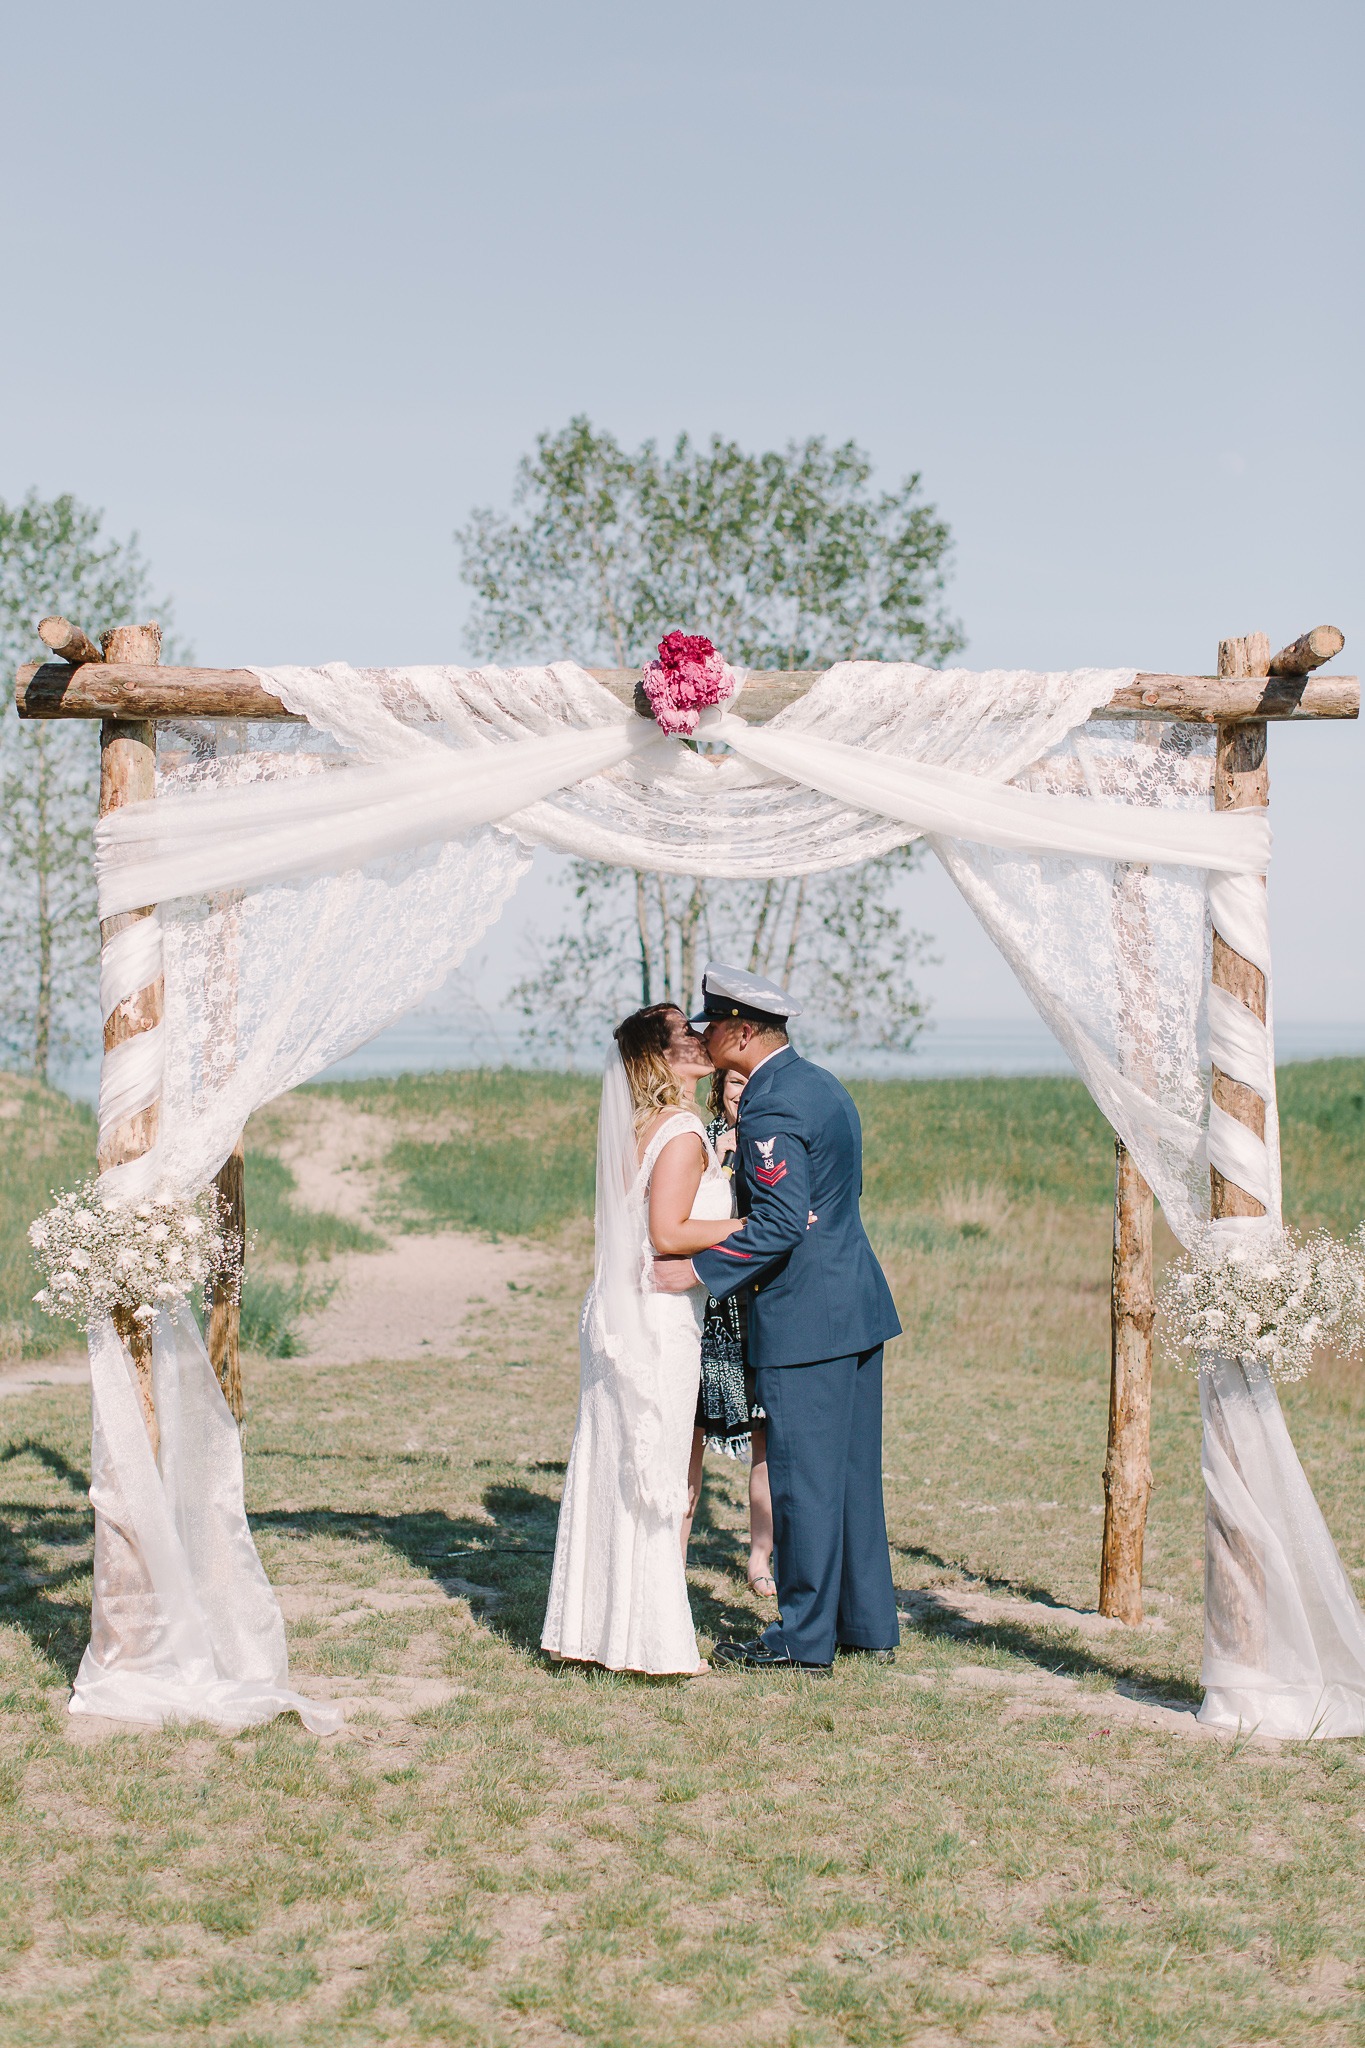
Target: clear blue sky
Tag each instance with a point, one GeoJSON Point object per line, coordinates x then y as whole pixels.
{"type": "Point", "coordinates": [290, 288]}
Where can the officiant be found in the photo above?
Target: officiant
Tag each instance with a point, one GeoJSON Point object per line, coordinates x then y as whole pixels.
{"type": "Point", "coordinates": [820, 1312]}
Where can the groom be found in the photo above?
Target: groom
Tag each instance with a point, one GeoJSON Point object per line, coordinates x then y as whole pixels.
{"type": "Point", "coordinates": [819, 1313]}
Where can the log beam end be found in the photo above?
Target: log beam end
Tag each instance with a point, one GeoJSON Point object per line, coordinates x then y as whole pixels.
{"type": "Point", "coordinates": [1308, 652]}
{"type": "Point", "coordinates": [68, 642]}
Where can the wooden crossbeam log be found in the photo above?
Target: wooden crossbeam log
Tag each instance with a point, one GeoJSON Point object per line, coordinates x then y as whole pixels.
{"type": "Point", "coordinates": [126, 690]}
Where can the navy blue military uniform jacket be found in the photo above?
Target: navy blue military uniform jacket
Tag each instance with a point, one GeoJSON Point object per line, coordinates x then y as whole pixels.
{"type": "Point", "coordinates": [818, 1292]}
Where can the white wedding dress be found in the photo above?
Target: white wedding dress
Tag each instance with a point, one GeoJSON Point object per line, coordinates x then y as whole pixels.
{"type": "Point", "coordinates": [618, 1590]}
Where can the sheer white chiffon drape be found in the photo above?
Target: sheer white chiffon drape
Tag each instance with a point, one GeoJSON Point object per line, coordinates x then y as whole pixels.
{"type": "Point", "coordinates": [348, 865]}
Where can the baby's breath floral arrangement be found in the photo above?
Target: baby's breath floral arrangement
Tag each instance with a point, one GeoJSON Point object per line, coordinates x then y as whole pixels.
{"type": "Point", "coordinates": [100, 1256]}
{"type": "Point", "coordinates": [1270, 1299]}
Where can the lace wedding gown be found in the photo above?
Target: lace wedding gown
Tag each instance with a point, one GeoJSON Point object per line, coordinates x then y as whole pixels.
{"type": "Point", "coordinates": [618, 1590]}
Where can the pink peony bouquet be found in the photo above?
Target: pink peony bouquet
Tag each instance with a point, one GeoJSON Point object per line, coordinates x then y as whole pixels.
{"type": "Point", "coordinates": [688, 677]}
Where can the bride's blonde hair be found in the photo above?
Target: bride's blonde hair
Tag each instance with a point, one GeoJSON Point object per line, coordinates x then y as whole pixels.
{"type": "Point", "coordinates": [643, 1040]}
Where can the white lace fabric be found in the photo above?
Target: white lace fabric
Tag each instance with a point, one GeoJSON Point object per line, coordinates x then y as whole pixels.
{"type": "Point", "coordinates": [315, 881]}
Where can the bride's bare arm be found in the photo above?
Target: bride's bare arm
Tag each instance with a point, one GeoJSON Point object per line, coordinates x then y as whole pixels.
{"type": "Point", "coordinates": [673, 1188]}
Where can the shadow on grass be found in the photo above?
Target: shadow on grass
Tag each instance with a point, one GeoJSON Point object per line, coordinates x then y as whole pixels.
{"type": "Point", "coordinates": [1018, 1589]}
{"type": "Point", "coordinates": [714, 1549]}
{"type": "Point", "coordinates": [510, 1554]}
{"type": "Point", "coordinates": [1074, 1658]}
{"type": "Point", "coordinates": [506, 1553]}
{"type": "Point", "coordinates": [33, 1596]}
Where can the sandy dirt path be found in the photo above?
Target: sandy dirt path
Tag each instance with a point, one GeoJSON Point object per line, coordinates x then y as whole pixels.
{"type": "Point", "coordinates": [416, 1295]}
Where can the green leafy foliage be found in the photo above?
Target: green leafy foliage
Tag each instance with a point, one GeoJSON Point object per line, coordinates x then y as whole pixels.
{"type": "Point", "coordinates": [53, 559]}
{"type": "Point", "coordinates": [785, 559]}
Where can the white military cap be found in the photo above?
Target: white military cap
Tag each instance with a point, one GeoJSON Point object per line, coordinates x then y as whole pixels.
{"type": "Point", "coordinates": [734, 992]}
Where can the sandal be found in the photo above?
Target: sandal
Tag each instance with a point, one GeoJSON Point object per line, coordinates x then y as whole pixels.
{"type": "Point", "coordinates": [764, 1586]}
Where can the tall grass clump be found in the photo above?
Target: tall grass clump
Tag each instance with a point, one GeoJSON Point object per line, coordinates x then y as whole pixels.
{"type": "Point", "coordinates": [270, 1314]}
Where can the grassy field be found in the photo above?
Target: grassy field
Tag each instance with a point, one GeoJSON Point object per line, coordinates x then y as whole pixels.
{"type": "Point", "coordinates": [979, 1845]}
{"type": "Point", "coordinates": [46, 1142]}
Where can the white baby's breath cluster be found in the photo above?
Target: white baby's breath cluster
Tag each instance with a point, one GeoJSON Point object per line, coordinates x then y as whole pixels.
{"type": "Point", "coordinates": [98, 1254]}
{"type": "Point", "coordinates": [1270, 1299]}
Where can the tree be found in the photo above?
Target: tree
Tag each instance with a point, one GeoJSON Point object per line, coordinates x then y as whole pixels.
{"type": "Point", "coordinates": [53, 558]}
{"type": "Point", "coordinates": [785, 560]}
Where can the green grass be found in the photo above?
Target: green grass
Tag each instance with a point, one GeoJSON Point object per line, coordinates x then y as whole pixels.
{"type": "Point", "coordinates": [46, 1142]}
{"type": "Point", "coordinates": [502, 1853]}
{"type": "Point", "coordinates": [1031, 1137]}
{"type": "Point", "coordinates": [513, 1152]}
{"type": "Point", "coordinates": [1322, 1136]}
{"type": "Point", "coordinates": [285, 1234]}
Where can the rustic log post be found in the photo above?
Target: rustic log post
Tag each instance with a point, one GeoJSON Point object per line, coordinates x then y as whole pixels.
{"type": "Point", "coordinates": [1241, 780]}
{"type": "Point", "coordinates": [1234, 1575]}
{"type": "Point", "coordinates": [1132, 1301]}
{"type": "Point", "coordinates": [1128, 1464]}
{"type": "Point", "coordinates": [225, 1308]}
{"type": "Point", "coordinates": [225, 1311]}
{"type": "Point", "coordinates": [127, 776]}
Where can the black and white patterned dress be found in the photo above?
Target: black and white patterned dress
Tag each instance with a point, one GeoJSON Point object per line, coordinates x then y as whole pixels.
{"type": "Point", "coordinates": [726, 1407]}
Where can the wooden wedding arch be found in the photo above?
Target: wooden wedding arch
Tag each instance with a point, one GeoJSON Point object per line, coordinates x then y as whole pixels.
{"type": "Point", "coordinates": [121, 683]}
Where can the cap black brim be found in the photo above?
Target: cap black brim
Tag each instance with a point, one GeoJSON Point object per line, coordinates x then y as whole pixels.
{"type": "Point", "coordinates": [740, 1013]}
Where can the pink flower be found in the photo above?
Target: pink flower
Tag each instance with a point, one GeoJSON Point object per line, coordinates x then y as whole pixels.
{"type": "Point", "coordinates": [688, 676]}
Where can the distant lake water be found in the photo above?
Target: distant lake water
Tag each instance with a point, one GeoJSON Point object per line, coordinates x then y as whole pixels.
{"type": "Point", "coordinates": [427, 1044]}
{"type": "Point", "coordinates": [953, 1046]}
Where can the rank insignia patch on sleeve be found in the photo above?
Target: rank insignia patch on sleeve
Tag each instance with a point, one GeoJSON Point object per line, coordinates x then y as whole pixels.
{"type": "Point", "coordinates": [768, 1171]}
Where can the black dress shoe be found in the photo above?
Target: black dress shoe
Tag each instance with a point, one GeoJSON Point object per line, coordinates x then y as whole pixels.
{"type": "Point", "coordinates": [857, 1650]}
{"type": "Point", "coordinates": [756, 1656]}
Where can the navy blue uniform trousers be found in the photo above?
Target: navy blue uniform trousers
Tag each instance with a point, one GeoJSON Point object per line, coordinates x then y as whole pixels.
{"type": "Point", "coordinates": [829, 1523]}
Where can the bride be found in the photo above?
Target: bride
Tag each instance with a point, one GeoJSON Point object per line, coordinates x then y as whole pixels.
{"type": "Point", "coordinates": [618, 1590]}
